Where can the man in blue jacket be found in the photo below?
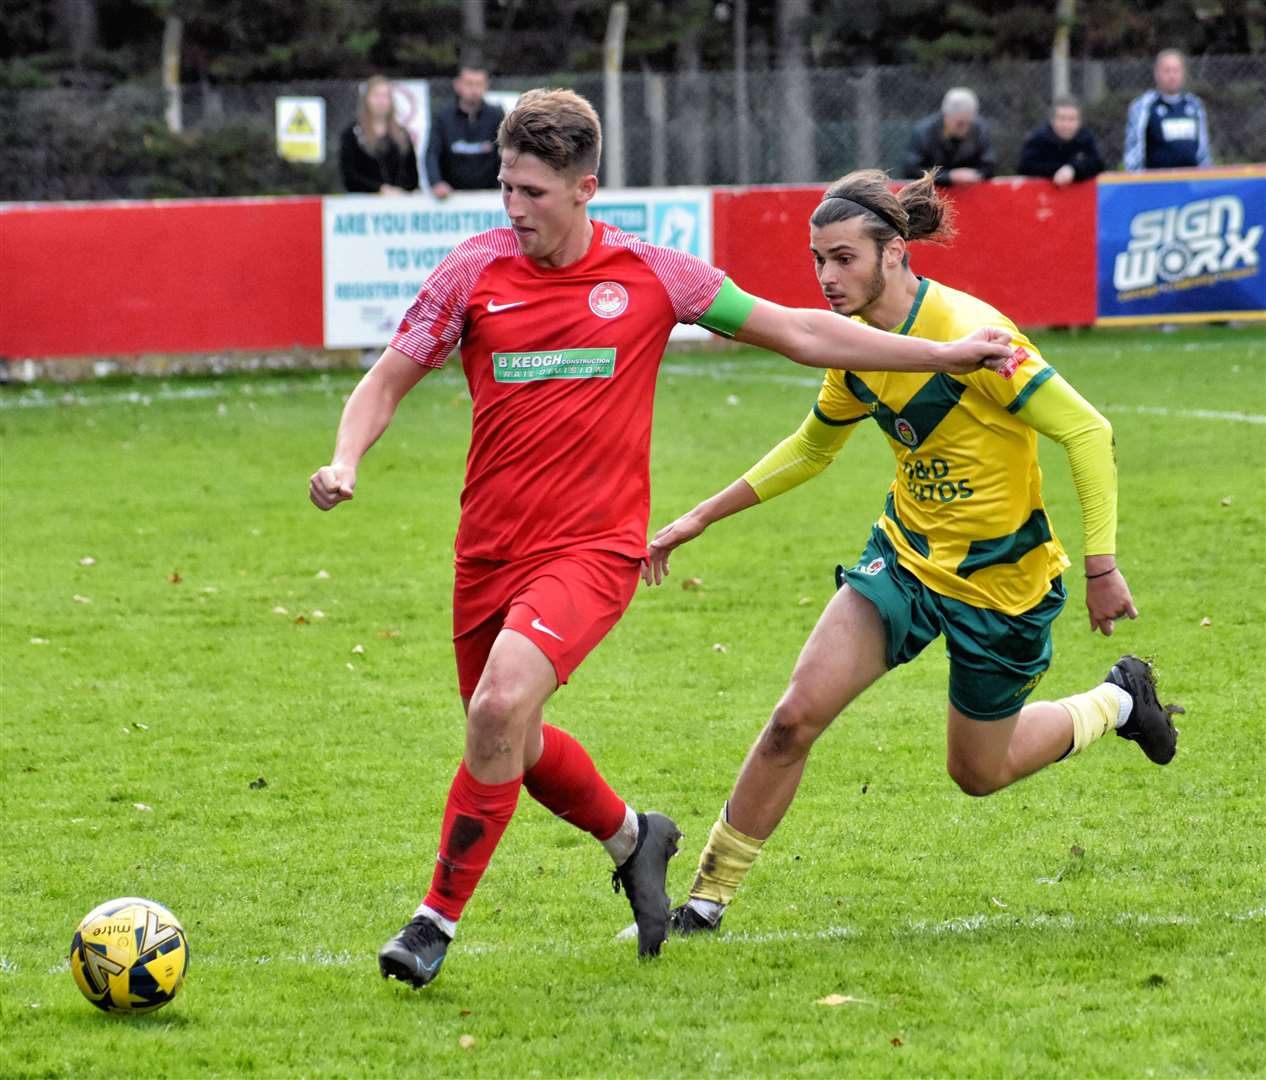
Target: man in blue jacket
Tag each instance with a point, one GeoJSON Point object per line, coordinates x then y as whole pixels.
{"type": "Point", "coordinates": [461, 154]}
{"type": "Point", "coordinates": [1167, 128]}
{"type": "Point", "coordinates": [1061, 150]}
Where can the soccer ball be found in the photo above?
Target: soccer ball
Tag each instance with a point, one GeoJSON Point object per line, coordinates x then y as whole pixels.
{"type": "Point", "coordinates": [129, 955]}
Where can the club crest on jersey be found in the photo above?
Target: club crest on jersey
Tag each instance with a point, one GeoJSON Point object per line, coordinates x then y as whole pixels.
{"type": "Point", "coordinates": [905, 431]}
{"type": "Point", "coordinates": [874, 566]}
{"type": "Point", "coordinates": [608, 299]}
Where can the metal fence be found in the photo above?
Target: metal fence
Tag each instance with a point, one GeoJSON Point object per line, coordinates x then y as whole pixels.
{"type": "Point", "coordinates": [705, 128]}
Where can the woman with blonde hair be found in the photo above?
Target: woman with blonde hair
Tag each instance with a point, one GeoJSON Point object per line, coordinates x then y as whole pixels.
{"type": "Point", "coordinates": [376, 154]}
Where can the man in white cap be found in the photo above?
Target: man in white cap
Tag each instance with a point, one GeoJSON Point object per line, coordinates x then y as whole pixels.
{"type": "Point", "coordinates": [955, 140]}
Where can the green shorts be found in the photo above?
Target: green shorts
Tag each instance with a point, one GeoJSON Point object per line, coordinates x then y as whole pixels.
{"type": "Point", "coordinates": [996, 660]}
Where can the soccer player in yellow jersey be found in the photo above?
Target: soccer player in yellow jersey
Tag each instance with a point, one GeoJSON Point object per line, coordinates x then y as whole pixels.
{"type": "Point", "coordinates": [962, 548]}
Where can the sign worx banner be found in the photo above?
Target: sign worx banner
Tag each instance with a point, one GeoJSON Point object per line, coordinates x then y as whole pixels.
{"type": "Point", "coordinates": [1182, 246]}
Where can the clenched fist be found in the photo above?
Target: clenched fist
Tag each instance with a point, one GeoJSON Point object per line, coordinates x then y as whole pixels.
{"type": "Point", "coordinates": [331, 485]}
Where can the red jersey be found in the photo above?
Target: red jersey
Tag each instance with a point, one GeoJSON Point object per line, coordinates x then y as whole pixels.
{"type": "Point", "coordinates": [561, 365]}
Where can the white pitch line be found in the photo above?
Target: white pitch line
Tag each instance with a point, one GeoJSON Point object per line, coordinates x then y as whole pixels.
{"type": "Point", "coordinates": [727, 371]}
{"type": "Point", "coordinates": [964, 924]}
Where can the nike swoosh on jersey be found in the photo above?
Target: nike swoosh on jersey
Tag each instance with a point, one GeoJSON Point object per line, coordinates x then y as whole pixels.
{"type": "Point", "coordinates": [538, 625]}
{"type": "Point", "coordinates": [494, 307]}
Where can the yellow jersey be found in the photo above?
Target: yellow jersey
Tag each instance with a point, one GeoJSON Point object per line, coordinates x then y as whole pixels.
{"type": "Point", "coordinates": [965, 511]}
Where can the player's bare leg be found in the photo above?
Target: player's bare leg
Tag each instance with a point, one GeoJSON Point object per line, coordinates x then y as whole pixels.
{"type": "Point", "coordinates": [509, 747]}
{"type": "Point", "coordinates": [503, 725]}
{"type": "Point", "coordinates": [985, 756]}
{"type": "Point", "coordinates": [503, 718]}
{"type": "Point", "coordinates": [843, 656]}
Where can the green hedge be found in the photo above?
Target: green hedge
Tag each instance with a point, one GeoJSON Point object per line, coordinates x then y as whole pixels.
{"type": "Point", "coordinates": [58, 145]}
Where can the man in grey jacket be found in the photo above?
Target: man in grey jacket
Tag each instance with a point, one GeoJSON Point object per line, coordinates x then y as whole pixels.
{"type": "Point", "coordinates": [956, 139]}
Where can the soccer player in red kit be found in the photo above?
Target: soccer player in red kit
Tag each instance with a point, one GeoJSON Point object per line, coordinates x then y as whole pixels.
{"type": "Point", "coordinates": [562, 323]}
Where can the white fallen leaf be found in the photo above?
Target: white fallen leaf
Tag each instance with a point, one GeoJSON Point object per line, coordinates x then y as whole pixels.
{"type": "Point", "coordinates": [843, 999]}
{"type": "Point", "coordinates": [718, 647]}
{"type": "Point", "coordinates": [81, 599]}
{"type": "Point", "coordinates": [359, 650]}
{"type": "Point", "coordinates": [1226, 501]}
{"type": "Point", "coordinates": [322, 574]}
{"type": "Point", "coordinates": [1206, 621]}
{"type": "Point", "coordinates": [805, 600]}
{"type": "Point", "coordinates": [139, 726]}
{"type": "Point", "coordinates": [466, 1042]}
{"type": "Point", "coordinates": [141, 806]}
{"type": "Point", "coordinates": [732, 399]}
{"type": "Point", "coordinates": [279, 610]}
{"type": "Point", "coordinates": [39, 641]}
{"type": "Point", "coordinates": [349, 666]}
{"type": "Point", "coordinates": [996, 902]}
{"type": "Point", "coordinates": [87, 560]}
{"type": "Point", "coordinates": [317, 613]}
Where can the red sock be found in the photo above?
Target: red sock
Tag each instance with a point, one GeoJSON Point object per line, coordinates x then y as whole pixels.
{"type": "Point", "coordinates": [565, 781]}
{"type": "Point", "coordinates": [475, 816]}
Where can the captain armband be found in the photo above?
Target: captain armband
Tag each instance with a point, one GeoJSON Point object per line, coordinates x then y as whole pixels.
{"type": "Point", "coordinates": [728, 311]}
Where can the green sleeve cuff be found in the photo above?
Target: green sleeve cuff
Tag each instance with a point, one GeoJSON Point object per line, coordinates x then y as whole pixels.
{"type": "Point", "coordinates": [728, 311]}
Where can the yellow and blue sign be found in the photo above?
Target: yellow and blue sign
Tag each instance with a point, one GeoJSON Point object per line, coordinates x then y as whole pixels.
{"type": "Point", "coordinates": [1182, 246]}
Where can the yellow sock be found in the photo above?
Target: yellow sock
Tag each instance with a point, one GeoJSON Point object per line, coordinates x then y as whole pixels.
{"type": "Point", "coordinates": [724, 863]}
{"type": "Point", "coordinates": [1094, 714]}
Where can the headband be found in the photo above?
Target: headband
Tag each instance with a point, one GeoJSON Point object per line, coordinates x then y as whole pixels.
{"type": "Point", "coordinates": [884, 217]}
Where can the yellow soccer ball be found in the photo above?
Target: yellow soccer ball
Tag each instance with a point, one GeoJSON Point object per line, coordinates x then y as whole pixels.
{"type": "Point", "coordinates": [129, 955]}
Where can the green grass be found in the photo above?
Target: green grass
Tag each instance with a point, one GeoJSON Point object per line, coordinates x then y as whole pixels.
{"type": "Point", "coordinates": [982, 943]}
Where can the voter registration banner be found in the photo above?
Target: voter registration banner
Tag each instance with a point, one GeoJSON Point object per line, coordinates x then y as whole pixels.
{"type": "Point", "coordinates": [1181, 246]}
{"type": "Point", "coordinates": [377, 251]}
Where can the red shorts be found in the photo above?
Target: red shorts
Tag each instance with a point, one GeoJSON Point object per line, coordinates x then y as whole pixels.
{"type": "Point", "coordinates": [563, 602]}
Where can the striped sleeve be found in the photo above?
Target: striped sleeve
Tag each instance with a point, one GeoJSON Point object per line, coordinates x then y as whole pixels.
{"type": "Point", "coordinates": [1204, 155]}
{"type": "Point", "coordinates": [1136, 131]}
{"type": "Point", "coordinates": [433, 325]}
{"type": "Point", "coordinates": [691, 283]}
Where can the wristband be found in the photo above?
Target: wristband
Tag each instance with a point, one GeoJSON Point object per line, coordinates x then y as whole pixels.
{"type": "Point", "coordinates": [1102, 573]}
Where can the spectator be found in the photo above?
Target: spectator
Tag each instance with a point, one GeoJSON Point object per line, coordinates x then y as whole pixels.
{"type": "Point", "coordinates": [1166, 127]}
{"type": "Point", "coordinates": [376, 153]}
{"type": "Point", "coordinates": [461, 154]}
{"type": "Point", "coordinates": [1061, 150]}
{"type": "Point", "coordinates": [955, 139]}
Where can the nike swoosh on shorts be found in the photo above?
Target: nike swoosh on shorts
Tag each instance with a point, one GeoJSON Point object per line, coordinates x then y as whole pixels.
{"type": "Point", "coordinates": [538, 625]}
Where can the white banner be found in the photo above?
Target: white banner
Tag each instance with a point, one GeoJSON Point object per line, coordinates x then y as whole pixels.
{"type": "Point", "coordinates": [378, 251]}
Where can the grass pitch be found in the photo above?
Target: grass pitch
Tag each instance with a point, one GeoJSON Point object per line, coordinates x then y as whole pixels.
{"type": "Point", "coordinates": [1102, 918]}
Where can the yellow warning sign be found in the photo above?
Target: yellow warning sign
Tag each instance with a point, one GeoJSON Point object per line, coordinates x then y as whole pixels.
{"type": "Point", "coordinates": [301, 129]}
{"type": "Point", "coordinates": [299, 124]}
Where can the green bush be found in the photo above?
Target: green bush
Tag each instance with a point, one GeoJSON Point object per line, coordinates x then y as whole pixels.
{"type": "Point", "coordinates": [58, 144]}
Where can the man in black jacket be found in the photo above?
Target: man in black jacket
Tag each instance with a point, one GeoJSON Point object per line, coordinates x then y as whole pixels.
{"type": "Point", "coordinates": [461, 154]}
{"type": "Point", "coordinates": [955, 139]}
{"type": "Point", "coordinates": [1061, 150]}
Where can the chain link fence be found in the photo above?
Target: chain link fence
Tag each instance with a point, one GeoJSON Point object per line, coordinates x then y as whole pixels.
{"type": "Point", "coordinates": [695, 128]}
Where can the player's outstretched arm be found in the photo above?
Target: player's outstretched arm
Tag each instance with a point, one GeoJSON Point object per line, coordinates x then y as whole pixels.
{"type": "Point", "coordinates": [365, 417]}
{"type": "Point", "coordinates": [799, 457]}
{"type": "Point", "coordinates": [823, 339]}
{"type": "Point", "coordinates": [738, 496]}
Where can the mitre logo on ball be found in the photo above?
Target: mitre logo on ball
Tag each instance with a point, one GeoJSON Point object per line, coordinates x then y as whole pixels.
{"type": "Point", "coordinates": [608, 299]}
